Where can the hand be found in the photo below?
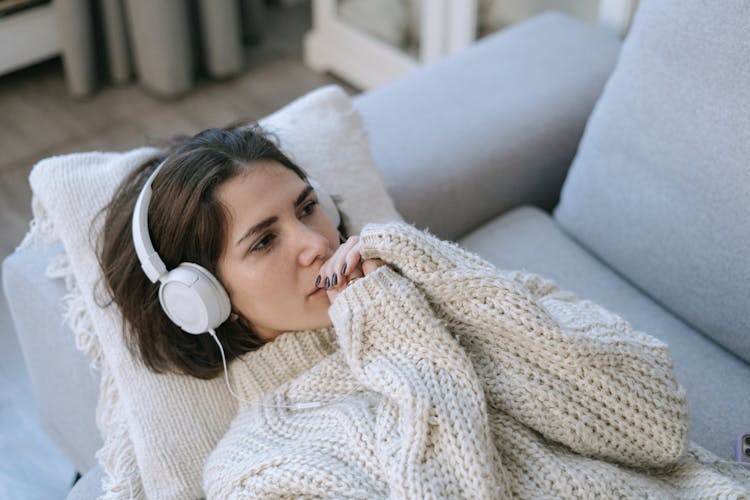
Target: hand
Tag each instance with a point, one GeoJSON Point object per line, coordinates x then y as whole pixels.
{"type": "Point", "coordinates": [345, 265]}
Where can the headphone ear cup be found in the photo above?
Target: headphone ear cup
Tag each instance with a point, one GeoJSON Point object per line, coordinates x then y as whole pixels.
{"type": "Point", "coordinates": [194, 299]}
{"type": "Point", "coordinates": [326, 202]}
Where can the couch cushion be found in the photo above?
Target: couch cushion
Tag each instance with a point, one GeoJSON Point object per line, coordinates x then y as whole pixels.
{"type": "Point", "coordinates": [716, 381]}
{"type": "Point", "coordinates": [659, 188]}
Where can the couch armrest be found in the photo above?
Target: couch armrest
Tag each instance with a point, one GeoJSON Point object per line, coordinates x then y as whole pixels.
{"type": "Point", "coordinates": [490, 128]}
{"type": "Point", "coordinates": [65, 389]}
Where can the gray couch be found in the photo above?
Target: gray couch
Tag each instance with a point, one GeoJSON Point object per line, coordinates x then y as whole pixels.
{"type": "Point", "coordinates": [629, 188]}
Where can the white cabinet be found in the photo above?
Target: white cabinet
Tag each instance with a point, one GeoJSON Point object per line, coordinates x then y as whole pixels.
{"type": "Point", "coordinates": [27, 37]}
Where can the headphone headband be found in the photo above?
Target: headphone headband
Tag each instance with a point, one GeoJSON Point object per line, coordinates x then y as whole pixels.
{"type": "Point", "coordinates": [150, 261]}
{"type": "Point", "coordinates": [189, 294]}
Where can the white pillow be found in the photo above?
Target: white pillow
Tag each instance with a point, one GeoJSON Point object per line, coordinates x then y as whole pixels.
{"type": "Point", "coordinates": [159, 429]}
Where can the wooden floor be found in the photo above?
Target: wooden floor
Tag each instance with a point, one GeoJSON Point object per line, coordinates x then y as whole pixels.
{"type": "Point", "coordinates": [39, 119]}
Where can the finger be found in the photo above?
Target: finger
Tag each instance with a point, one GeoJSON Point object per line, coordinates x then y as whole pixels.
{"type": "Point", "coordinates": [349, 258]}
{"type": "Point", "coordinates": [352, 260]}
{"type": "Point", "coordinates": [334, 291]}
{"type": "Point", "coordinates": [339, 262]}
{"type": "Point", "coordinates": [354, 275]}
{"type": "Point", "coordinates": [370, 265]}
{"type": "Point", "coordinates": [331, 269]}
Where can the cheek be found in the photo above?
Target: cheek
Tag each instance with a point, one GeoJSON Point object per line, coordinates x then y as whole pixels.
{"type": "Point", "coordinates": [258, 290]}
{"type": "Point", "coordinates": [242, 283]}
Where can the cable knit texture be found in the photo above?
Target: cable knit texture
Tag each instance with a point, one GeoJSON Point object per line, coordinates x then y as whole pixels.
{"type": "Point", "coordinates": [445, 377]}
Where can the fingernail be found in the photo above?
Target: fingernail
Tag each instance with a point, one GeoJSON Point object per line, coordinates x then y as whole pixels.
{"type": "Point", "coordinates": [317, 281]}
{"type": "Point", "coordinates": [334, 280]}
{"type": "Point", "coordinates": [343, 269]}
{"type": "Point", "coordinates": [328, 282]}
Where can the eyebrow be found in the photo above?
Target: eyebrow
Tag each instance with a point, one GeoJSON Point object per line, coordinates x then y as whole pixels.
{"type": "Point", "coordinates": [265, 223]}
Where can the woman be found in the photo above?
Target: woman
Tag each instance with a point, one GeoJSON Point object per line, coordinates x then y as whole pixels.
{"type": "Point", "coordinates": [436, 375]}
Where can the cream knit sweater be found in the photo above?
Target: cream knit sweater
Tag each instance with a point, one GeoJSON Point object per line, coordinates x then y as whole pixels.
{"type": "Point", "coordinates": [444, 377]}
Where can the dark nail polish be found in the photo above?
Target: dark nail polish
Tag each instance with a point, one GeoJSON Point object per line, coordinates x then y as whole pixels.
{"type": "Point", "coordinates": [334, 280]}
{"type": "Point", "coordinates": [317, 281]}
{"type": "Point", "coordinates": [328, 282]}
{"type": "Point", "coordinates": [343, 269]}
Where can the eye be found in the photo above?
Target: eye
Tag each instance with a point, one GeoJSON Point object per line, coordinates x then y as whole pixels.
{"type": "Point", "coordinates": [310, 208]}
{"type": "Point", "coordinates": [264, 243]}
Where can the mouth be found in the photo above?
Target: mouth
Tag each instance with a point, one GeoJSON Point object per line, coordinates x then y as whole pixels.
{"type": "Point", "coordinates": [316, 291]}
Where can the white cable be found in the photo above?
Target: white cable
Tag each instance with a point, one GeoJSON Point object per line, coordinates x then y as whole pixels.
{"type": "Point", "coordinates": [224, 362]}
{"type": "Point", "coordinates": [297, 406]}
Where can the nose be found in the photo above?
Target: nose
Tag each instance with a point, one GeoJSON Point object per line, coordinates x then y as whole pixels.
{"type": "Point", "coordinates": [313, 245]}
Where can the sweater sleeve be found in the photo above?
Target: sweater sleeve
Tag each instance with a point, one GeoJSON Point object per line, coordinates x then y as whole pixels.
{"type": "Point", "coordinates": [432, 432]}
{"type": "Point", "coordinates": [567, 368]}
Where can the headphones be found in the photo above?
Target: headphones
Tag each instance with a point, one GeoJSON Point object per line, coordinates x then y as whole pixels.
{"type": "Point", "coordinates": [190, 295]}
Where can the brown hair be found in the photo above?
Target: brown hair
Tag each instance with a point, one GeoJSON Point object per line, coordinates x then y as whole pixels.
{"type": "Point", "coordinates": [186, 224]}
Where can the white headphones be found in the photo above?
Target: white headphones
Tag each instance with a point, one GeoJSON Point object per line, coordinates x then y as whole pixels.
{"type": "Point", "coordinates": [190, 295]}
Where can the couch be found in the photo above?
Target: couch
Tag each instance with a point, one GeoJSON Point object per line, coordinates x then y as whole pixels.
{"type": "Point", "coordinates": [617, 170]}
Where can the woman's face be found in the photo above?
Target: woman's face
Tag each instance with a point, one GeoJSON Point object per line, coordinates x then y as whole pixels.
{"type": "Point", "coordinates": [278, 237]}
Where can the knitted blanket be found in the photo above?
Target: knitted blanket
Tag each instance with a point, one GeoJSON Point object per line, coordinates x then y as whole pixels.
{"type": "Point", "coordinates": [445, 377]}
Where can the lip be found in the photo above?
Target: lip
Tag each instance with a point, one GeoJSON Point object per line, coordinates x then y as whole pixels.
{"type": "Point", "coordinates": [321, 289]}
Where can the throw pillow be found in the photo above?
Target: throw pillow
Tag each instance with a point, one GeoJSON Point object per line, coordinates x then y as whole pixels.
{"type": "Point", "coordinates": [659, 187]}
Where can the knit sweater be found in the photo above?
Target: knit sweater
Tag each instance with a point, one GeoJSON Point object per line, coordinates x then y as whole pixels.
{"type": "Point", "coordinates": [445, 377]}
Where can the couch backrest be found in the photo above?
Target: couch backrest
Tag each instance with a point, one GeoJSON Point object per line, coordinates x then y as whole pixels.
{"type": "Point", "coordinates": [660, 186]}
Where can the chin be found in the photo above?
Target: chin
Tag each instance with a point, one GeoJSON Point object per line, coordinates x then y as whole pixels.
{"type": "Point", "coordinates": [324, 321]}
{"type": "Point", "coordinates": [317, 311]}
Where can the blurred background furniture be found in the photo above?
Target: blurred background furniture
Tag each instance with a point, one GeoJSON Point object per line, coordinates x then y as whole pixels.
{"type": "Point", "coordinates": [28, 33]}
{"type": "Point", "coordinates": [372, 42]}
{"type": "Point", "coordinates": [162, 42]}
{"type": "Point", "coordinates": [165, 43]}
